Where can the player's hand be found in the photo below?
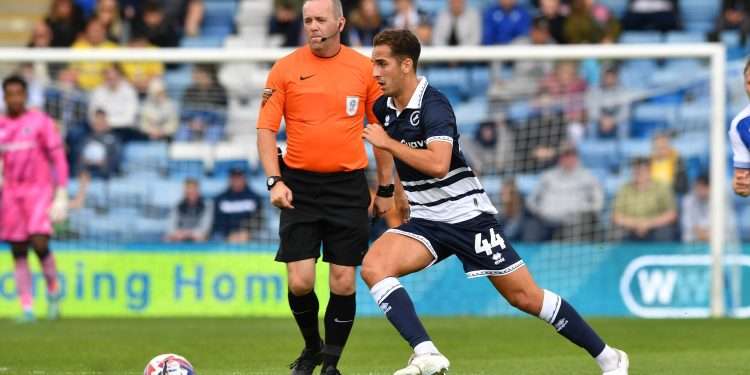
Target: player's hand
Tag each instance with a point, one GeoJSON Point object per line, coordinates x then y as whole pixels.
{"type": "Point", "coordinates": [59, 209]}
{"type": "Point", "coordinates": [281, 196]}
{"type": "Point", "coordinates": [741, 182]}
{"type": "Point", "coordinates": [382, 205]}
{"type": "Point", "coordinates": [376, 135]}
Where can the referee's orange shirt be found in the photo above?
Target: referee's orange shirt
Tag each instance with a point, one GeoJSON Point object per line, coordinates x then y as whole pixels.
{"type": "Point", "coordinates": [323, 102]}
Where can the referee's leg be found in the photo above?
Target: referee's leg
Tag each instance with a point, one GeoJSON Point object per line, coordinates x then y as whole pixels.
{"type": "Point", "coordinates": [304, 305]}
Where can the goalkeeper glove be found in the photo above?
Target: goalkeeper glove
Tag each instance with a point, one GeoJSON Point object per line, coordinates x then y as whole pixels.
{"type": "Point", "coordinates": [59, 210]}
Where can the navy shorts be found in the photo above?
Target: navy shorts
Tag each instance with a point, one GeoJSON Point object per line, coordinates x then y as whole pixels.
{"type": "Point", "coordinates": [477, 242]}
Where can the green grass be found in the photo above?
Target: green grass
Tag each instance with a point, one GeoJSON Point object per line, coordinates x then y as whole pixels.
{"type": "Point", "coordinates": [491, 346]}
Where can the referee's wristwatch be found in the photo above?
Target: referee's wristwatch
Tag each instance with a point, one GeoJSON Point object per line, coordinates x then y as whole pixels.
{"type": "Point", "coordinates": [271, 181]}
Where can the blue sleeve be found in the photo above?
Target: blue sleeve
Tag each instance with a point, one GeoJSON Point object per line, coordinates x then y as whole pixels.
{"type": "Point", "coordinates": [439, 121]}
{"type": "Point", "coordinates": [524, 24]}
{"type": "Point", "coordinates": [743, 130]}
{"type": "Point", "coordinates": [488, 29]}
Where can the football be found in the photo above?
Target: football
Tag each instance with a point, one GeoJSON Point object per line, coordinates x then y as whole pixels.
{"type": "Point", "coordinates": [169, 364]}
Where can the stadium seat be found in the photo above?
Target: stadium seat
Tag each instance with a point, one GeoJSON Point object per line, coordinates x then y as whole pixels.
{"type": "Point", "coordinates": [189, 158]}
{"type": "Point", "coordinates": [492, 185]}
{"type": "Point", "coordinates": [148, 229]}
{"type": "Point", "coordinates": [617, 7]}
{"type": "Point", "coordinates": [632, 148]}
{"type": "Point", "coordinates": [219, 13]}
{"type": "Point", "coordinates": [211, 187]}
{"type": "Point", "coordinates": [699, 11]}
{"type": "Point", "coordinates": [470, 114]}
{"type": "Point", "coordinates": [641, 37]}
{"type": "Point", "coordinates": [685, 37]}
{"type": "Point", "coordinates": [228, 155]}
{"type": "Point", "coordinates": [166, 193]}
{"type": "Point", "coordinates": [526, 183]}
{"type": "Point", "coordinates": [700, 26]}
{"type": "Point", "coordinates": [202, 42]}
{"type": "Point", "coordinates": [600, 154]}
{"type": "Point", "coordinates": [128, 191]}
{"type": "Point", "coordinates": [692, 144]}
{"type": "Point", "coordinates": [151, 155]}
{"type": "Point", "coordinates": [731, 38]}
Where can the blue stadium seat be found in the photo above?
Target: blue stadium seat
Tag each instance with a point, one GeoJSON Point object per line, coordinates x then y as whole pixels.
{"type": "Point", "coordinates": [479, 79]}
{"type": "Point", "coordinates": [166, 193]}
{"type": "Point", "coordinates": [218, 13]}
{"type": "Point", "coordinates": [108, 228]}
{"type": "Point", "coordinates": [177, 80]}
{"type": "Point", "coordinates": [614, 182]}
{"type": "Point", "coordinates": [640, 37]}
{"type": "Point", "coordinates": [654, 112]}
{"type": "Point", "coordinates": [685, 37]}
{"type": "Point", "coordinates": [127, 192]}
{"type": "Point", "coordinates": [700, 26]}
{"type": "Point", "coordinates": [692, 144]}
{"type": "Point", "coordinates": [600, 154]}
{"type": "Point", "coordinates": [202, 42]}
{"type": "Point", "coordinates": [222, 167]}
{"type": "Point", "coordinates": [148, 229]}
{"type": "Point", "coordinates": [699, 11]}
{"type": "Point", "coordinates": [617, 7]}
{"type": "Point", "coordinates": [526, 183]}
{"type": "Point", "coordinates": [216, 31]}
{"type": "Point", "coordinates": [492, 185]}
{"type": "Point", "coordinates": [694, 114]}
{"type": "Point", "coordinates": [454, 78]}
{"type": "Point", "coordinates": [731, 38]}
{"type": "Point", "coordinates": [151, 155]}
{"type": "Point", "coordinates": [471, 113]}
{"type": "Point", "coordinates": [211, 187]}
{"type": "Point", "coordinates": [632, 148]}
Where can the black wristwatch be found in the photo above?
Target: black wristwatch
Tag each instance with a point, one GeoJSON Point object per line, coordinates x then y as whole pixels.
{"type": "Point", "coordinates": [271, 181]}
{"type": "Point", "coordinates": [385, 191]}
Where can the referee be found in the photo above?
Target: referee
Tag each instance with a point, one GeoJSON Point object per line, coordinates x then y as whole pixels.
{"type": "Point", "coordinates": [323, 91]}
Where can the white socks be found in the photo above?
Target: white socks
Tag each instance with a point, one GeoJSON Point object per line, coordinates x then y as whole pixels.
{"type": "Point", "coordinates": [608, 359]}
{"type": "Point", "coordinates": [425, 347]}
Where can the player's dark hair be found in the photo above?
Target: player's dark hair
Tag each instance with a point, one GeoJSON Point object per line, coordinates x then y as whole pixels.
{"type": "Point", "coordinates": [403, 43]}
{"type": "Point", "coordinates": [14, 80]}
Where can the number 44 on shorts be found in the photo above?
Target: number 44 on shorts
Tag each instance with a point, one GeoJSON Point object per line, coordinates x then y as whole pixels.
{"type": "Point", "coordinates": [483, 245]}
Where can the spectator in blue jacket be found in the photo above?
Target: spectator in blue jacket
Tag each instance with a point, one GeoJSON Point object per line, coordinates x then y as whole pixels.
{"type": "Point", "coordinates": [504, 22]}
{"type": "Point", "coordinates": [236, 210]}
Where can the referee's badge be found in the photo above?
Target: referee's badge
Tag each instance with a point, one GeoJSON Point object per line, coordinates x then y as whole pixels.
{"type": "Point", "coordinates": [352, 103]}
{"type": "Point", "coordinates": [267, 92]}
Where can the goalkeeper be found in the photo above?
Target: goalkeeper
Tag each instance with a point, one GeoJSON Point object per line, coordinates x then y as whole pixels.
{"type": "Point", "coordinates": [35, 176]}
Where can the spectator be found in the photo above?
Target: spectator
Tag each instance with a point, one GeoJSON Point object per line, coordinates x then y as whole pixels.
{"type": "Point", "coordinates": [606, 104]}
{"type": "Point", "coordinates": [156, 27]}
{"type": "Point", "coordinates": [108, 14]}
{"type": "Point", "coordinates": [66, 21]}
{"type": "Point", "coordinates": [191, 219]}
{"type": "Point", "coordinates": [141, 73]}
{"type": "Point", "coordinates": [205, 94]}
{"type": "Point", "coordinates": [89, 74]}
{"type": "Point", "coordinates": [236, 210]}
{"type": "Point", "coordinates": [645, 210]}
{"type": "Point", "coordinates": [65, 103]}
{"type": "Point", "coordinates": [200, 126]}
{"type": "Point", "coordinates": [101, 151]}
{"type": "Point", "coordinates": [590, 22]}
{"type": "Point", "coordinates": [408, 16]}
{"type": "Point", "coordinates": [552, 12]}
{"type": "Point", "coordinates": [656, 15]}
{"type": "Point", "coordinates": [695, 214]}
{"type": "Point", "coordinates": [99, 157]}
{"type": "Point", "coordinates": [286, 22]}
{"type": "Point", "coordinates": [159, 118]}
{"type": "Point", "coordinates": [524, 82]}
{"type": "Point", "coordinates": [537, 141]}
{"type": "Point", "coordinates": [512, 214]}
{"type": "Point", "coordinates": [490, 151]}
{"type": "Point", "coordinates": [364, 22]}
{"type": "Point", "coordinates": [566, 86]}
{"type": "Point", "coordinates": [504, 22]}
{"type": "Point", "coordinates": [186, 14]}
{"type": "Point", "coordinates": [734, 15]}
{"type": "Point", "coordinates": [458, 25]}
{"type": "Point", "coordinates": [118, 99]}
{"type": "Point", "coordinates": [667, 166]}
{"type": "Point", "coordinates": [565, 203]}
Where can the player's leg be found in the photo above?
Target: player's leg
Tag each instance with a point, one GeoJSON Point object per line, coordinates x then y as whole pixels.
{"type": "Point", "coordinates": [300, 246]}
{"type": "Point", "coordinates": [520, 290]}
{"type": "Point", "coordinates": [346, 235]}
{"type": "Point", "coordinates": [339, 315]}
{"type": "Point", "coordinates": [22, 275]}
{"type": "Point", "coordinates": [391, 256]}
{"type": "Point", "coordinates": [40, 244]}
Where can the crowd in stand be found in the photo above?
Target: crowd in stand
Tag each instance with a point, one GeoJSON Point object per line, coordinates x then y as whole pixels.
{"type": "Point", "coordinates": [103, 106]}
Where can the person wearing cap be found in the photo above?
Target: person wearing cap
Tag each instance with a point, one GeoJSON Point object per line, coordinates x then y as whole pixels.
{"type": "Point", "coordinates": [644, 209]}
{"type": "Point", "coordinates": [565, 203]}
{"type": "Point", "coordinates": [190, 219]}
{"type": "Point", "coordinates": [236, 210]}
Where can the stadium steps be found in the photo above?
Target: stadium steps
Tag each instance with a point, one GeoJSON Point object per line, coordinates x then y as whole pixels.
{"type": "Point", "coordinates": [17, 19]}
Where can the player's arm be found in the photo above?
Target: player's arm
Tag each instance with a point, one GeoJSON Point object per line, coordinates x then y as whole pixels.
{"type": "Point", "coordinates": [53, 145]}
{"type": "Point", "coordinates": [740, 140]}
{"type": "Point", "coordinates": [383, 160]}
{"type": "Point", "coordinates": [433, 161]}
{"type": "Point", "coordinates": [269, 119]}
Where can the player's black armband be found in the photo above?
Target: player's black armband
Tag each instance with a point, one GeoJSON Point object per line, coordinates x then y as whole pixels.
{"type": "Point", "coordinates": [386, 191]}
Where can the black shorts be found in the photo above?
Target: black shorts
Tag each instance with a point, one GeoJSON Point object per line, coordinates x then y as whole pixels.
{"type": "Point", "coordinates": [330, 209]}
{"type": "Point", "coordinates": [477, 242]}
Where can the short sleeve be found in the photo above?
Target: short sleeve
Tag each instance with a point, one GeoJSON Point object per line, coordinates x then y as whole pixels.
{"type": "Point", "coordinates": [50, 137]}
{"type": "Point", "coordinates": [740, 140]}
{"type": "Point", "coordinates": [438, 121]}
{"type": "Point", "coordinates": [378, 110]}
{"type": "Point", "coordinates": [273, 100]}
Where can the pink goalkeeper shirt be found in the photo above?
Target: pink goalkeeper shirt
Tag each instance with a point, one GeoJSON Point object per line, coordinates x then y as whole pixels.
{"type": "Point", "coordinates": [30, 146]}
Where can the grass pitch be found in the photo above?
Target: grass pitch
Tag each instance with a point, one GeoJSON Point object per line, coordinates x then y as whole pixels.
{"type": "Point", "coordinates": [491, 346]}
